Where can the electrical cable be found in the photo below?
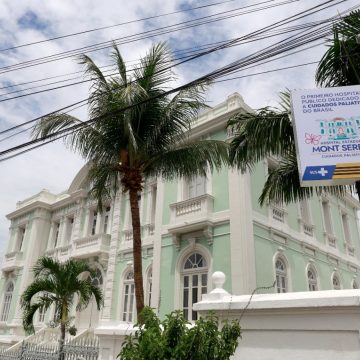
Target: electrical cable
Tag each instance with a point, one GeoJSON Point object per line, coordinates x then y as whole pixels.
{"type": "Point", "coordinates": [206, 77]}
{"type": "Point", "coordinates": [119, 24]}
{"type": "Point", "coordinates": [136, 37]}
{"type": "Point", "coordinates": [277, 33]}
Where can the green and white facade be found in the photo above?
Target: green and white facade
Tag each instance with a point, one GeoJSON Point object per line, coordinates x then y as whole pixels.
{"type": "Point", "coordinates": [190, 228]}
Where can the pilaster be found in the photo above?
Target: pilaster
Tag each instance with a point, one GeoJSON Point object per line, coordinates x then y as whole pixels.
{"type": "Point", "coordinates": [155, 297]}
{"type": "Point", "coordinates": [111, 266]}
{"type": "Point", "coordinates": [243, 276]}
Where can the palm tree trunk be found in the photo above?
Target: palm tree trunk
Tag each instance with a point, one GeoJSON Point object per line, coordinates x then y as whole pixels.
{"type": "Point", "coordinates": [137, 252]}
{"type": "Point", "coordinates": [62, 341]}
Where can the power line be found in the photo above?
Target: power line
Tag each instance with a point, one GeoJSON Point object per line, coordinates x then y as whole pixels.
{"type": "Point", "coordinates": [287, 20]}
{"type": "Point", "coordinates": [141, 36]}
{"type": "Point", "coordinates": [119, 24]}
{"type": "Point", "coordinates": [286, 30]}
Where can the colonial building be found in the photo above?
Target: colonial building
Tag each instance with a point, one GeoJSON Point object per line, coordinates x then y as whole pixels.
{"type": "Point", "coordinates": [190, 228]}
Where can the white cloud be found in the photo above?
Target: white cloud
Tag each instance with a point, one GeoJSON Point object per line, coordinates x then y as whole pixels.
{"type": "Point", "coordinates": [53, 166]}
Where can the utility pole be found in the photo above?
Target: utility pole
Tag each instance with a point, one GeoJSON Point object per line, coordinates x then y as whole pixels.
{"type": "Point", "coordinates": [358, 38]}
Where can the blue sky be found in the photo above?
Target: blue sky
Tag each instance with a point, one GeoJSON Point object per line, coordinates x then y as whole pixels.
{"type": "Point", "coordinates": [53, 167]}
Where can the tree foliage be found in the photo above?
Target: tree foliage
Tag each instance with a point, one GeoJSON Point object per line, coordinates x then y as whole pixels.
{"type": "Point", "coordinates": [59, 284]}
{"type": "Point", "coordinates": [175, 339]}
{"type": "Point", "coordinates": [268, 132]}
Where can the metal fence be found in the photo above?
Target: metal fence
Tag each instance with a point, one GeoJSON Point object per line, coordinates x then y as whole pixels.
{"type": "Point", "coordinates": [82, 349]}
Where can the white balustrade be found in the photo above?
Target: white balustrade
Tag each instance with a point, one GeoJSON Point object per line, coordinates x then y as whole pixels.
{"type": "Point", "coordinates": [278, 212]}
{"type": "Point", "coordinates": [91, 245]}
{"type": "Point", "coordinates": [13, 260]}
{"type": "Point", "coordinates": [308, 229]}
{"type": "Point", "coordinates": [192, 209]}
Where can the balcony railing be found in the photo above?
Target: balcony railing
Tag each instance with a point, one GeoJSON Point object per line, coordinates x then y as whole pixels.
{"type": "Point", "coordinates": [91, 245]}
{"type": "Point", "coordinates": [350, 250]}
{"type": "Point", "coordinates": [192, 209]}
{"type": "Point", "coordinates": [278, 212]}
{"type": "Point", "coordinates": [147, 230]}
{"type": "Point", "coordinates": [308, 229]}
{"type": "Point", "coordinates": [331, 239]}
{"type": "Point", "coordinates": [59, 252]}
{"type": "Point", "coordinates": [13, 260]}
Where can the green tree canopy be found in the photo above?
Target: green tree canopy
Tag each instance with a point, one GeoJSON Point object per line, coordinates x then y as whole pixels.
{"type": "Point", "coordinates": [60, 285]}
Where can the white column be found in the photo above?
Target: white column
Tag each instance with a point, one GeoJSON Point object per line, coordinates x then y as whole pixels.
{"type": "Point", "coordinates": [51, 235]}
{"type": "Point", "coordinates": [155, 296]}
{"type": "Point", "coordinates": [243, 270]}
{"type": "Point", "coordinates": [76, 231]}
{"type": "Point", "coordinates": [35, 248]}
{"type": "Point", "coordinates": [98, 229]}
{"type": "Point", "coordinates": [62, 232]}
{"type": "Point", "coordinates": [111, 268]}
{"type": "Point", "coordinates": [86, 223]}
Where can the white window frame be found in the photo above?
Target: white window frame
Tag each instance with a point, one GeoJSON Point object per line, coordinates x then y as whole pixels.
{"type": "Point", "coordinates": [313, 284]}
{"type": "Point", "coordinates": [56, 237]}
{"type": "Point", "coordinates": [281, 275]}
{"type": "Point", "coordinates": [93, 222]}
{"type": "Point", "coordinates": [69, 228]}
{"type": "Point", "coordinates": [128, 297]}
{"type": "Point", "coordinates": [334, 277]}
{"type": "Point", "coordinates": [149, 286]}
{"type": "Point", "coordinates": [346, 228]}
{"type": "Point", "coordinates": [192, 274]}
{"type": "Point", "coordinates": [326, 202]}
{"type": "Point", "coordinates": [198, 183]}
{"type": "Point", "coordinates": [7, 301]}
{"type": "Point", "coordinates": [354, 284]}
{"type": "Point", "coordinates": [106, 220]}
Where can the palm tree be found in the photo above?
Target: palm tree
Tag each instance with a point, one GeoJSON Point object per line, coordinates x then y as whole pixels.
{"type": "Point", "coordinates": [149, 139]}
{"type": "Point", "coordinates": [57, 284]}
{"type": "Point", "coordinates": [340, 65]}
{"type": "Point", "coordinates": [269, 132]}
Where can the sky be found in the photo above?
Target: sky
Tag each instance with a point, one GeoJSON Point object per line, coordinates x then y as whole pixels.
{"type": "Point", "coordinates": [54, 166]}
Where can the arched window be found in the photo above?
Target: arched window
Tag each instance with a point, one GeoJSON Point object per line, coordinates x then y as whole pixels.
{"type": "Point", "coordinates": [128, 297]}
{"type": "Point", "coordinates": [7, 301]}
{"type": "Point", "coordinates": [148, 287]}
{"type": "Point", "coordinates": [281, 276]}
{"type": "Point", "coordinates": [355, 284]}
{"type": "Point", "coordinates": [336, 282]}
{"type": "Point", "coordinates": [194, 279]}
{"type": "Point", "coordinates": [312, 279]}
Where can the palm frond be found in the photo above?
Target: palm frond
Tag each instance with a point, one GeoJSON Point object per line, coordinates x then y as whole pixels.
{"type": "Point", "coordinates": [260, 134]}
{"type": "Point", "coordinates": [51, 124]}
{"type": "Point", "coordinates": [94, 72]}
{"type": "Point", "coordinates": [340, 65]}
{"type": "Point", "coordinates": [154, 70]}
{"type": "Point", "coordinates": [121, 66]}
{"type": "Point", "coordinates": [283, 184]}
{"type": "Point", "coordinates": [188, 160]}
{"type": "Point", "coordinates": [101, 177]}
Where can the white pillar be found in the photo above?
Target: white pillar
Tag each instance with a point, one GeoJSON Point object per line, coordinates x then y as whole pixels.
{"type": "Point", "coordinates": [111, 268]}
{"type": "Point", "coordinates": [51, 235]}
{"type": "Point", "coordinates": [86, 223]}
{"type": "Point", "coordinates": [243, 270]}
{"type": "Point", "coordinates": [155, 296]}
{"type": "Point", "coordinates": [98, 229]}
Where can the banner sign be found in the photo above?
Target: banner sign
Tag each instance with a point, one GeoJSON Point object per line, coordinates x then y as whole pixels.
{"type": "Point", "coordinates": [327, 135]}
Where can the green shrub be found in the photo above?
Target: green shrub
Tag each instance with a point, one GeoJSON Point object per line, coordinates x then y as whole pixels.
{"type": "Point", "coordinates": [176, 339]}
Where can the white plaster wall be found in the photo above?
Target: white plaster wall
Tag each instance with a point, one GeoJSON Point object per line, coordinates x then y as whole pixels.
{"type": "Point", "coordinates": [297, 326]}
